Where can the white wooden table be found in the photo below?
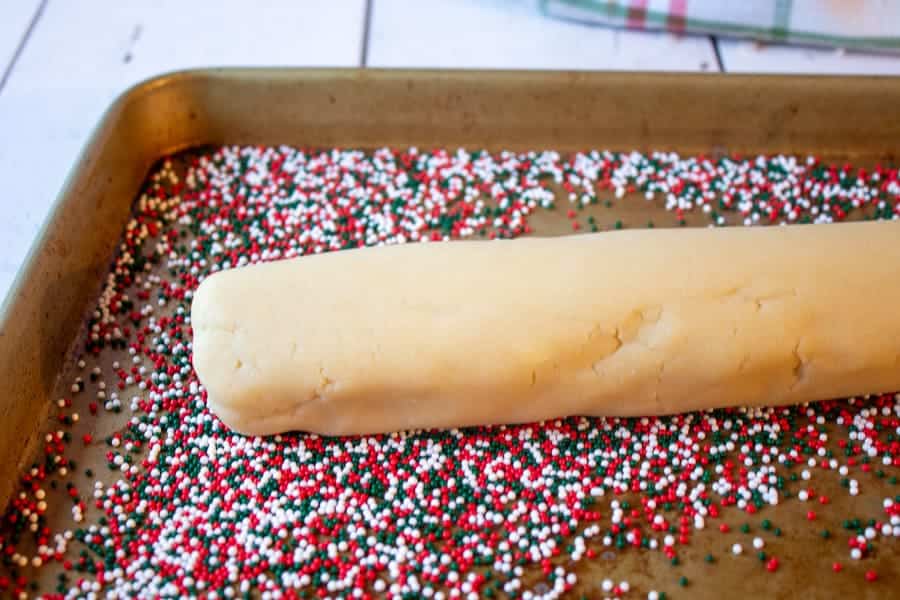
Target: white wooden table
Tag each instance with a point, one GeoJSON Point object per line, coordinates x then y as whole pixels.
{"type": "Point", "coordinates": [62, 62]}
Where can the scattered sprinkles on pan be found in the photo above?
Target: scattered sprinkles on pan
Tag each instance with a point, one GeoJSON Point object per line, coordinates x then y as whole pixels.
{"type": "Point", "coordinates": [188, 508]}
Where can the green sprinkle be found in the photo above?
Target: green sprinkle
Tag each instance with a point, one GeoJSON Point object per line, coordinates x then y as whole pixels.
{"type": "Point", "coordinates": [683, 581]}
{"type": "Point", "coordinates": [766, 524]}
{"type": "Point", "coordinates": [710, 558]}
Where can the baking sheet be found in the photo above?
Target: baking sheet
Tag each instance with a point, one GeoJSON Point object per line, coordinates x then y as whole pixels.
{"type": "Point", "coordinates": [495, 110]}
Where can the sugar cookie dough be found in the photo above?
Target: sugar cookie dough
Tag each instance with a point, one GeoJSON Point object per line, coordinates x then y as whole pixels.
{"type": "Point", "coordinates": [626, 323]}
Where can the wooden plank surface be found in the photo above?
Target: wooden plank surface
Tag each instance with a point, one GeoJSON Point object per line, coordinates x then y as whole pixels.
{"type": "Point", "coordinates": [15, 18]}
{"type": "Point", "coordinates": [751, 57]}
{"type": "Point", "coordinates": [513, 34]}
{"type": "Point", "coordinates": [82, 54]}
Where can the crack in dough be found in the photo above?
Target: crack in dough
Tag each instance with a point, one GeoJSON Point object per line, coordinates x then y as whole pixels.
{"type": "Point", "coordinates": [762, 301]}
{"type": "Point", "coordinates": [637, 328]}
{"type": "Point", "coordinates": [618, 337]}
{"type": "Point", "coordinates": [652, 314]}
{"type": "Point", "coordinates": [229, 329]}
{"type": "Point", "coordinates": [325, 384]}
{"type": "Point", "coordinates": [800, 366]}
{"type": "Point", "coordinates": [659, 374]}
{"type": "Point", "coordinates": [758, 301]}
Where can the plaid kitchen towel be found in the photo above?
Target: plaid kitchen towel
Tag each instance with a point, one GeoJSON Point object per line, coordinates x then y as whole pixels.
{"type": "Point", "coordinates": [852, 24]}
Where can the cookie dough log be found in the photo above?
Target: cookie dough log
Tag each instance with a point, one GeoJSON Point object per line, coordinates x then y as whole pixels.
{"type": "Point", "coordinates": [625, 323]}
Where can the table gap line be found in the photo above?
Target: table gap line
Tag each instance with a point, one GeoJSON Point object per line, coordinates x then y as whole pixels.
{"type": "Point", "coordinates": [366, 33]}
{"type": "Point", "coordinates": [21, 46]}
{"type": "Point", "coordinates": [718, 53]}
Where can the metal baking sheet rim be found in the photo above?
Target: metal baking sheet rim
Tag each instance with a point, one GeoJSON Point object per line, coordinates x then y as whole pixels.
{"type": "Point", "coordinates": [42, 315]}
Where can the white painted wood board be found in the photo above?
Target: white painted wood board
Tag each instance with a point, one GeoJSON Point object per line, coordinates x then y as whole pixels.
{"type": "Point", "coordinates": [514, 34]}
{"type": "Point", "coordinates": [751, 57]}
{"type": "Point", "coordinates": [81, 55]}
